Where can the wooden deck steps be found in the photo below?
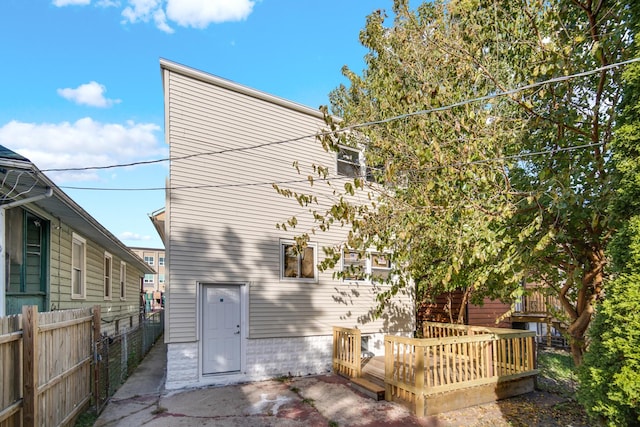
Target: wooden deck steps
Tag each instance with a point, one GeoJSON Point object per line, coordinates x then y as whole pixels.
{"type": "Point", "coordinates": [371, 383]}
{"type": "Point", "coordinates": [368, 388]}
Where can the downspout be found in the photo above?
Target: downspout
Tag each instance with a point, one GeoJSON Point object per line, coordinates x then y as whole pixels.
{"type": "Point", "coordinates": [3, 273]}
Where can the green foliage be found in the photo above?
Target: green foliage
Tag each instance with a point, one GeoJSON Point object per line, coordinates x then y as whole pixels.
{"type": "Point", "coordinates": [489, 193]}
{"type": "Point", "coordinates": [610, 375]}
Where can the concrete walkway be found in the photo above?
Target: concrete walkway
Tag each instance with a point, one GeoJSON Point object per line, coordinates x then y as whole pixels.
{"type": "Point", "coordinates": [323, 400]}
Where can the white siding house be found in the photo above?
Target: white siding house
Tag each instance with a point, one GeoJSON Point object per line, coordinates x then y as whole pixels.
{"type": "Point", "coordinates": [239, 304]}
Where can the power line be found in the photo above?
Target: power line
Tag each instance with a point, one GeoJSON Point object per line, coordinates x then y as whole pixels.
{"type": "Point", "coordinates": [340, 177]}
{"type": "Point", "coordinates": [359, 125]}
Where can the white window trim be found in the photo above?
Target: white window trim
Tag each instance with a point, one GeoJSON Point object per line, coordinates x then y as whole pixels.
{"type": "Point", "coordinates": [108, 277]}
{"type": "Point", "coordinates": [151, 258]}
{"type": "Point", "coordinates": [81, 240]}
{"type": "Point", "coordinates": [361, 164]}
{"type": "Point", "coordinates": [123, 281]}
{"type": "Point", "coordinates": [313, 245]}
{"type": "Point", "coordinates": [161, 261]}
{"type": "Point", "coordinates": [369, 268]}
{"type": "Point", "coordinates": [153, 279]}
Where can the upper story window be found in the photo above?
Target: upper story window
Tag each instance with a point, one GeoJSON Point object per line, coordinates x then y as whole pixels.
{"type": "Point", "coordinates": [374, 266]}
{"type": "Point", "coordinates": [78, 267]}
{"type": "Point", "coordinates": [107, 275]}
{"type": "Point", "coordinates": [160, 278]}
{"type": "Point", "coordinates": [149, 260]}
{"type": "Point", "coordinates": [148, 278]}
{"type": "Point", "coordinates": [350, 162]}
{"type": "Point", "coordinates": [160, 260]}
{"type": "Point", "coordinates": [298, 263]}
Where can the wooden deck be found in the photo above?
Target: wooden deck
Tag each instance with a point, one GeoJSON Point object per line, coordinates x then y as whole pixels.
{"type": "Point", "coordinates": [463, 366]}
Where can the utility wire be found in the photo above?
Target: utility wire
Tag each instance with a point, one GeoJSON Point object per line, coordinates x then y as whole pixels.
{"type": "Point", "coordinates": [341, 177]}
{"type": "Point", "coordinates": [359, 125]}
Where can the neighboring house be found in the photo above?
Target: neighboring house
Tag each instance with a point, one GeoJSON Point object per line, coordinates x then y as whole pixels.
{"type": "Point", "coordinates": [153, 285]}
{"type": "Point", "coordinates": [446, 308]}
{"type": "Point", "coordinates": [155, 258]}
{"type": "Point", "coordinates": [56, 256]}
{"type": "Point", "coordinates": [534, 311]}
{"type": "Point", "coordinates": [241, 302]}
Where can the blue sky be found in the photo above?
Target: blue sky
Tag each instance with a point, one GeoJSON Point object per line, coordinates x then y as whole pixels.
{"type": "Point", "coordinates": [80, 81]}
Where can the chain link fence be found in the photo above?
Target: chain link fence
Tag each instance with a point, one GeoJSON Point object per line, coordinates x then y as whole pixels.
{"type": "Point", "coordinates": [116, 357]}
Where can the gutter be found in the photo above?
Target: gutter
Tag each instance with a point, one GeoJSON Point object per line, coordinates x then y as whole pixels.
{"type": "Point", "coordinates": [16, 203]}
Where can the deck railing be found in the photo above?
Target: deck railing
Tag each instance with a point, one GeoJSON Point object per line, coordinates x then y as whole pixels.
{"type": "Point", "coordinates": [418, 368]}
{"type": "Point", "coordinates": [536, 302]}
{"type": "Point", "coordinates": [347, 352]}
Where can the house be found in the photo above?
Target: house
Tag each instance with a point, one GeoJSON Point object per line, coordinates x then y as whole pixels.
{"type": "Point", "coordinates": [56, 256]}
{"type": "Point", "coordinates": [535, 311]}
{"type": "Point", "coordinates": [243, 301]}
{"type": "Point", "coordinates": [153, 285]}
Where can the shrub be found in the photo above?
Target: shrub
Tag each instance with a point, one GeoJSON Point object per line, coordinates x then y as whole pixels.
{"type": "Point", "coordinates": [610, 373]}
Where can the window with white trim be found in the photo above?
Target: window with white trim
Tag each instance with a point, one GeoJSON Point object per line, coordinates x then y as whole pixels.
{"type": "Point", "coordinates": [374, 266]}
{"type": "Point", "coordinates": [298, 263]}
{"type": "Point", "coordinates": [78, 267]}
{"type": "Point", "coordinates": [123, 280]}
{"type": "Point", "coordinates": [148, 279]}
{"type": "Point", "coordinates": [161, 261]}
{"type": "Point", "coordinates": [349, 162]}
{"type": "Point", "coordinates": [108, 271]}
{"type": "Point", "coordinates": [149, 260]}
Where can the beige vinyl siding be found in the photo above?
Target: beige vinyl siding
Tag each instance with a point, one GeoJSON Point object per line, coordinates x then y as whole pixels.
{"type": "Point", "coordinates": [126, 312]}
{"type": "Point", "coordinates": [226, 232]}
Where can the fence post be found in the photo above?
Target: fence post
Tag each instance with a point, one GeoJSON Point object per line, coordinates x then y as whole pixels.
{"type": "Point", "coordinates": [96, 354]}
{"type": "Point", "coordinates": [419, 380]}
{"type": "Point", "coordinates": [30, 365]}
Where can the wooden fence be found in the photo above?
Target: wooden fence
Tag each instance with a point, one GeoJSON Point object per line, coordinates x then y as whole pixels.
{"type": "Point", "coordinates": [46, 363]}
{"type": "Point", "coordinates": [347, 352]}
{"type": "Point", "coordinates": [454, 357]}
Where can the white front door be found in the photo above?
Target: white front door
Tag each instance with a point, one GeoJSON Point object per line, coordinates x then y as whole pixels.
{"type": "Point", "coordinates": [220, 329]}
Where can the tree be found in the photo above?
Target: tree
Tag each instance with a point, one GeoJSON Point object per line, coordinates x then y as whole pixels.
{"type": "Point", "coordinates": [610, 375]}
{"type": "Point", "coordinates": [483, 195]}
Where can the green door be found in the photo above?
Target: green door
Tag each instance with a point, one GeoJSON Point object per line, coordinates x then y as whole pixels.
{"type": "Point", "coordinates": [27, 250]}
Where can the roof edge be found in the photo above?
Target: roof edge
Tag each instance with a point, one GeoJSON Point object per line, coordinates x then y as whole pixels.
{"type": "Point", "coordinates": [236, 87]}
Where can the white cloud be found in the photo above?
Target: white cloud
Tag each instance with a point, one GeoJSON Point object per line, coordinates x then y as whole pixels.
{"type": "Point", "coordinates": [107, 3]}
{"type": "Point", "coordinates": [91, 94]}
{"type": "Point", "coordinates": [62, 3]}
{"type": "Point", "coordinates": [187, 13]}
{"type": "Point", "coordinates": [201, 13]}
{"type": "Point", "coordinates": [83, 143]}
{"type": "Point", "coordinates": [129, 235]}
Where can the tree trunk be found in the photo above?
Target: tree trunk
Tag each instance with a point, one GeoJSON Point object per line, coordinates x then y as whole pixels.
{"type": "Point", "coordinates": [589, 292]}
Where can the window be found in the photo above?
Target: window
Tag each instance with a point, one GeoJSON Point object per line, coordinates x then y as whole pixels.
{"type": "Point", "coordinates": [107, 275]}
{"type": "Point", "coordinates": [160, 278]}
{"type": "Point", "coordinates": [298, 263]}
{"type": "Point", "coordinates": [78, 266]}
{"type": "Point", "coordinates": [149, 260]}
{"type": "Point", "coordinates": [380, 266]}
{"type": "Point", "coordinates": [26, 259]}
{"type": "Point", "coordinates": [354, 265]}
{"type": "Point", "coordinates": [374, 266]}
{"type": "Point", "coordinates": [160, 260]}
{"type": "Point", "coordinates": [349, 162]}
{"type": "Point", "coordinates": [148, 279]}
{"type": "Point", "coordinates": [123, 280]}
